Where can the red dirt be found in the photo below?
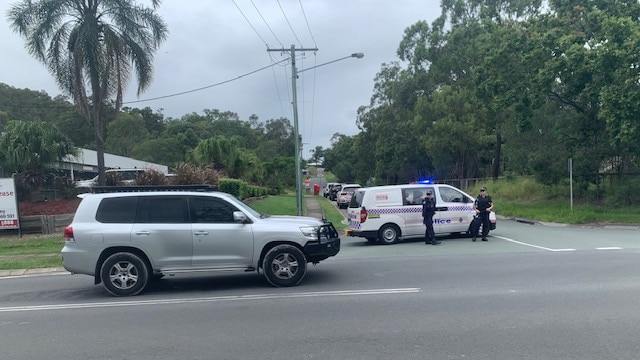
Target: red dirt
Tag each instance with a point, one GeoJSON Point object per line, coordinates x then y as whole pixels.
{"type": "Point", "coordinates": [49, 207]}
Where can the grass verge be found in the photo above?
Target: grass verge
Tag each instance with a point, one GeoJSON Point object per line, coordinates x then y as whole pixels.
{"type": "Point", "coordinates": [30, 252]}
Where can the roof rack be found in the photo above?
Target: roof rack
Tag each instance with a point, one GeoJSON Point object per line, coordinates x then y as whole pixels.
{"type": "Point", "coordinates": [140, 188]}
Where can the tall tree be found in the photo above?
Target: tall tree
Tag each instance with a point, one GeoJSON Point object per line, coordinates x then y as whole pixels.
{"type": "Point", "coordinates": [95, 44]}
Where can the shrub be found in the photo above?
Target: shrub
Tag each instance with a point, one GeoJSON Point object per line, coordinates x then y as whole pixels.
{"type": "Point", "coordinates": [151, 177]}
{"type": "Point", "coordinates": [113, 179]}
{"type": "Point", "coordinates": [187, 174]}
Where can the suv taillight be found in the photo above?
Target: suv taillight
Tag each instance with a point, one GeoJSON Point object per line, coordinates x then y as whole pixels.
{"type": "Point", "coordinates": [363, 215]}
{"type": "Point", "coordinates": [68, 233]}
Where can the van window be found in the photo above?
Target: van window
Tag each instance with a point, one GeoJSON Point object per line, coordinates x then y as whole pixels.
{"type": "Point", "coordinates": [356, 199]}
{"type": "Point", "coordinates": [414, 196]}
{"type": "Point", "coordinates": [162, 210]}
{"type": "Point", "coordinates": [120, 210]}
{"type": "Point", "coordinates": [452, 195]}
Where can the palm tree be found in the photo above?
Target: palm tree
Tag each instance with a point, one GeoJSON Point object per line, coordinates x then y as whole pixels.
{"type": "Point", "coordinates": [95, 44]}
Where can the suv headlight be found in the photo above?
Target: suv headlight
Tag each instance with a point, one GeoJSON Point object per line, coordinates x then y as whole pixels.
{"type": "Point", "coordinates": [309, 231]}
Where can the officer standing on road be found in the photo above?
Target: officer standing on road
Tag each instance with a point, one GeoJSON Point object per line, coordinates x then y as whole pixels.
{"type": "Point", "coordinates": [483, 206]}
{"type": "Point", "coordinates": [428, 209]}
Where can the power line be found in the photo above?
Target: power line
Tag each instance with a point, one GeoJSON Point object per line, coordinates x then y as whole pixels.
{"type": "Point", "coordinates": [206, 87]}
{"type": "Point", "coordinates": [275, 79]}
{"type": "Point", "coordinates": [288, 23]}
{"type": "Point", "coordinates": [265, 22]}
{"type": "Point", "coordinates": [307, 21]}
{"type": "Point", "coordinates": [249, 22]}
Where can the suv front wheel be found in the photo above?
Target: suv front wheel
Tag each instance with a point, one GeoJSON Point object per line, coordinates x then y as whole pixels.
{"type": "Point", "coordinates": [124, 274]}
{"type": "Point", "coordinates": [284, 265]}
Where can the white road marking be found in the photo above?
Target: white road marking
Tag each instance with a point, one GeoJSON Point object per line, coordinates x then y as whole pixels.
{"type": "Point", "coordinates": [211, 299]}
{"type": "Point", "coordinates": [531, 245]}
{"type": "Point", "coordinates": [609, 248]}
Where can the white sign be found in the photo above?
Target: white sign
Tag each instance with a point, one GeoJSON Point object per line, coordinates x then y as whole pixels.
{"type": "Point", "coordinates": [8, 205]}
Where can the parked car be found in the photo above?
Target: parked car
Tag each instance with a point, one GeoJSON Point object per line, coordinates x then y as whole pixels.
{"type": "Point", "coordinates": [344, 196]}
{"type": "Point", "coordinates": [126, 239]}
{"type": "Point", "coordinates": [128, 177]}
{"type": "Point", "coordinates": [333, 194]}
{"type": "Point", "coordinates": [386, 214]}
{"type": "Point", "coordinates": [327, 189]}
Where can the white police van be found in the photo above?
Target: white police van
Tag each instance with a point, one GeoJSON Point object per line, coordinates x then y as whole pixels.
{"type": "Point", "coordinates": [384, 214]}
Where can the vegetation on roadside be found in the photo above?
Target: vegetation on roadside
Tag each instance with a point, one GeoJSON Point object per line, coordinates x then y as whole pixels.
{"type": "Point", "coordinates": [518, 198]}
{"type": "Point", "coordinates": [30, 252]}
{"type": "Point", "coordinates": [525, 198]}
{"type": "Point", "coordinates": [276, 205]}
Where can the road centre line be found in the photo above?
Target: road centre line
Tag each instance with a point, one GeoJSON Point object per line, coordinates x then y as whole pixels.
{"type": "Point", "coordinates": [531, 245]}
{"type": "Point", "coordinates": [609, 248]}
{"type": "Point", "coordinates": [211, 299]}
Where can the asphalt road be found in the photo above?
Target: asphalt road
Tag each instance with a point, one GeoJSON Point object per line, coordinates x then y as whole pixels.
{"type": "Point", "coordinates": [531, 292]}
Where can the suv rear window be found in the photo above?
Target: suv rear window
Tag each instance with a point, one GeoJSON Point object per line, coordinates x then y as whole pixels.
{"type": "Point", "coordinates": [163, 210]}
{"type": "Point", "coordinates": [120, 210]}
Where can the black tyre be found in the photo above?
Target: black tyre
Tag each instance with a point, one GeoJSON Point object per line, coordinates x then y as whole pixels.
{"type": "Point", "coordinates": [124, 274]}
{"type": "Point", "coordinates": [388, 234]}
{"type": "Point", "coordinates": [284, 265]}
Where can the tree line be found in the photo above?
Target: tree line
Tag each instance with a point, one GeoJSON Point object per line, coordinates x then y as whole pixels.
{"type": "Point", "coordinates": [497, 88]}
{"type": "Point", "coordinates": [258, 152]}
{"type": "Point", "coordinates": [490, 88]}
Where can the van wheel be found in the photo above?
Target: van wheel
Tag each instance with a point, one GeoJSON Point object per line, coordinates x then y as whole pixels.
{"type": "Point", "coordinates": [388, 234]}
{"type": "Point", "coordinates": [124, 274]}
{"type": "Point", "coordinates": [284, 265]}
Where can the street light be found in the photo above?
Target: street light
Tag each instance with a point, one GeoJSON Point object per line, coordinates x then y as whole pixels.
{"type": "Point", "coordinates": [294, 75]}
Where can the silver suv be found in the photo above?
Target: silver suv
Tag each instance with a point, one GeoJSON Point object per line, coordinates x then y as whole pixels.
{"type": "Point", "coordinates": [124, 239]}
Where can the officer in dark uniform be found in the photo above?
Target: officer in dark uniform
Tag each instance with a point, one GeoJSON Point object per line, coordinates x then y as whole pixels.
{"type": "Point", "coordinates": [483, 206]}
{"type": "Point", "coordinates": [428, 209]}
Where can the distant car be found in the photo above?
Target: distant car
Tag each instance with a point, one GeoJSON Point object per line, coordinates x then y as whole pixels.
{"type": "Point", "coordinates": [327, 189]}
{"type": "Point", "coordinates": [333, 194]}
{"type": "Point", "coordinates": [128, 176]}
{"type": "Point", "coordinates": [344, 196]}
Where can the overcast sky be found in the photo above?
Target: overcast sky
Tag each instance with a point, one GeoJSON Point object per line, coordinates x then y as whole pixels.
{"type": "Point", "coordinates": [211, 42]}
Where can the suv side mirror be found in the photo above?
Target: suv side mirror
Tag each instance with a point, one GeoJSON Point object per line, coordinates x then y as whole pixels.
{"type": "Point", "coordinates": [239, 216]}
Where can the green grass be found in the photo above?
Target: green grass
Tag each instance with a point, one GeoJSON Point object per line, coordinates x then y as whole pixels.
{"type": "Point", "coordinates": [524, 198]}
{"type": "Point", "coordinates": [286, 205]}
{"type": "Point", "coordinates": [31, 244]}
{"type": "Point", "coordinates": [31, 263]}
{"type": "Point", "coordinates": [277, 205]}
{"type": "Point", "coordinates": [30, 252]}
{"type": "Point", "coordinates": [331, 213]}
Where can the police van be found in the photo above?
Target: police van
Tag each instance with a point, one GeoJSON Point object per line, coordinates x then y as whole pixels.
{"type": "Point", "coordinates": [385, 214]}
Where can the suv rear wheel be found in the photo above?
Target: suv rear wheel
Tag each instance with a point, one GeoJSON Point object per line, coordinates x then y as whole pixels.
{"type": "Point", "coordinates": [124, 274]}
{"type": "Point", "coordinates": [284, 265]}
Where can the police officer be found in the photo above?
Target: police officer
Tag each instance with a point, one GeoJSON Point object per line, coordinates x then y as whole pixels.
{"type": "Point", "coordinates": [428, 209]}
{"type": "Point", "coordinates": [483, 206]}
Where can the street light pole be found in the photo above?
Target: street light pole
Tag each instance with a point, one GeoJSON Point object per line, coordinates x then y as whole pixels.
{"type": "Point", "coordinates": [294, 76]}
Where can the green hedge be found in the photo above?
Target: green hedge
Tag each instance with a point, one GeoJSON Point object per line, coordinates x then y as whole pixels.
{"type": "Point", "coordinates": [241, 189]}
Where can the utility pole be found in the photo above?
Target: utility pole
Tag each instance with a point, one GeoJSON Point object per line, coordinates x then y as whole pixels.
{"type": "Point", "coordinates": [294, 75]}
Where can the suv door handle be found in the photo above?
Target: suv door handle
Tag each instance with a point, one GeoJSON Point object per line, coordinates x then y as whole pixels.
{"type": "Point", "coordinates": [143, 232]}
{"type": "Point", "coordinates": [200, 233]}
